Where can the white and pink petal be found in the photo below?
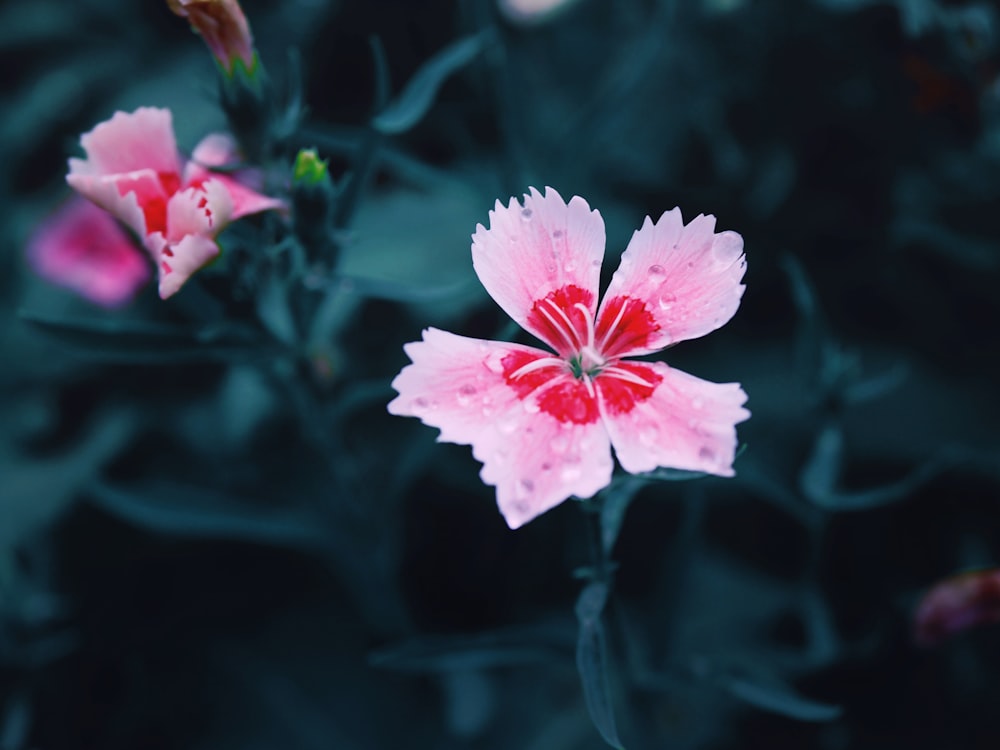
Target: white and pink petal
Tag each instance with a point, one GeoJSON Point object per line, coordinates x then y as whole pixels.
{"type": "Point", "coordinates": [176, 262]}
{"type": "Point", "coordinates": [540, 247]}
{"type": "Point", "coordinates": [203, 210]}
{"type": "Point", "coordinates": [675, 282]}
{"type": "Point", "coordinates": [130, 141]}
{"type": "Point", "coordinates": [674, 420]}
{"type": "Point", "coordinates": [472, 391]}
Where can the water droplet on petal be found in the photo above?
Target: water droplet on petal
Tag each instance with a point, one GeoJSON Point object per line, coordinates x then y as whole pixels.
{"type": "Point", "coordinates": [546, 467]}
{"type": "Point", "coordinates": [666, 301]}
{"type": "Point", "coordinates": [557, 233]}
{"type": "Point", "coordinates": [465, 394]}
{"type": "Point", "coordinates": [570, 473]}
{"type": "Point", "coordinates": [531, 406]}
{"type": "Point", "coordinates": [596, 263]}
{"type": "Point", "coordinates": [727, 247]}
{"type": "Point", "coordinates": [559, 444]}
{"type": "Point", "coordinates": [697, 403]}
{"type": "Point", "coordinates": [507, 425]}
{"type": "Point", "coordinates": [657, 273]}
{"type": "Point", "coordinates": [524, 488]}
{"type": "Point", "coordinates": [649, 434]}
{"type": "Point", "coordinates": [526, 214]}
{"type": "Point", "coordinates": [705, 453]}
{"type": "Point", "coordinates": [494, 362]}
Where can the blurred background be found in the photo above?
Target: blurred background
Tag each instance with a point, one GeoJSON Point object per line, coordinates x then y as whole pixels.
{"type": "Point", "coordinates": [192, 556]}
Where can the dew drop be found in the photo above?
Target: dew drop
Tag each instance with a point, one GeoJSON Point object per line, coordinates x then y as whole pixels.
{"type": "Point", "coordinates": [649, 434]}
{"type": "Point", "coordinates": [559, 444]}
{"type": "Point", "coordinates": [570, 473]}
{"type": "Point", "coordinates": [524, 488]}
{"type": "Point", "coordinates": [546, 467]}
{"type": "Point", "coordinates": [494, 362]}
{"type": "Point", "coordinates": [531, 406]}
{"type": "Point", "coordinates": [666, 301]}
{"type": "Point", "coordinates": [706, 454]}
{"type": "Point", "coordinates": [465, 394]}
{"type": "Point", "coordinates": [507, 425]}
{"type": "Point", "coordinates": [526, 214]}
{"type": "Point", "coordinates": [596, 263]}
{"type": "Point", "coordinates": [557, 233]}
{"type": "Point", "coordinates": [697, 403]}
{"type": "Point", "coordinates": [420, 404]}
{"type": "Point", "coordinates": [656, 273]}
{"type": "Point", "coordinates": [727, 247]}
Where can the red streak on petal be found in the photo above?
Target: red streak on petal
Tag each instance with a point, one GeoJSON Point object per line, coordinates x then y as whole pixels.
{"type": "Point", "coordinates": [570, 401]}
{"type": "Point", "coordinates": [621, 396]}
{"type": "Point", "coordinates": [567, 401]}
{"type": "Point", "coordinates": [166, 269]}
{"type": "Point", "coordinates": [171, 182]}
{"type": "Point", "coordinates": [545, 319]}
{"type": "Point", "coordinates": [168, 251]}
{"type": "Point", "coordinates": [632, 330]}
{"type": "Point", "coordinates": [528, 382]}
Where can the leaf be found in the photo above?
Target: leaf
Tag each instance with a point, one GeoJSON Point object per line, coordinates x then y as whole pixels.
{"type": "Point", "coordinates": [496, 648]}
{"type": "Point", "coordinates": [414, 101]}
{"type": "Point", "coordinates": [167, 508]}
{"type": "Point", "coordinates": [592, 661]}
{"type": "Point", "coordinates": [395, 291]}
{"type": "Point", "coordinates": [145, 342]}
{"type": "Point", "coordinates": [778, 698]}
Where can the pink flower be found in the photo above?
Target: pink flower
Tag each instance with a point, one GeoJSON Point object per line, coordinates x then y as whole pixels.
{"type": "Point", "coordinates": [958, 603]}
{"type": "Point", "coordinates": [134, 171]}
{"type": "Point", "coordinates": [224, 28]}
{"type": "Point", "coordinates": [542, 423]}
{"type": "Point", "coordinates": [83, 248]}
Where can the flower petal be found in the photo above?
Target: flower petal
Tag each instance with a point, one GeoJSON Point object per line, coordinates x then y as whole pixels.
{"type": "Point", "coordinates": [533, 250]}
{"type": "Point", "coordinates": [674, 282]}
{"type": "Point", "coordinates": [124, 206]}
{"type": "Point", "coordinates": [203, 210]}
{"type": "Point", "coordinates": [177, 262]}
{"type": "Point", "coordinates": [536, 461]}
{"type": "Point", "coordinates": [143, 139]}
{"type": "Point", "coordinates": [684, 423]}
{"type": "Point", "coordinates": [81, 247]}
{"type": "Point", "coordinates": [220, 150]}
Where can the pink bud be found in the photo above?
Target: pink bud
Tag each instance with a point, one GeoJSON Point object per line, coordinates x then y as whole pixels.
{"type": "Point", "coordinates": [958, 603]}
{"type": "Point", "coordinates": [224, 28]}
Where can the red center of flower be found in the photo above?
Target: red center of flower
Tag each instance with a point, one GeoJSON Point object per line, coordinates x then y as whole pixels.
{"type": "Point", "coordinates": [567, 387]}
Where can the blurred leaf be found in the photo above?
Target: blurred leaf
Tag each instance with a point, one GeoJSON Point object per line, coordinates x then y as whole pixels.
{"type": "Point", "coordinates": [167, 508]}
{"type": "Point", "coordinates": [592, 661]}
{"type": "Point", "coordinates": [35, 491]}
{"type": "Point", "coordinates": [497, 648]}
{"type": "Point", "coordinates": [774, 696]}
{"type": "Point", "coordinates": [402, 292]}
{"type": "Point", "coordinates": [16, 722]}
{"type": "Point", "coordinates": [820, 475]}
{"type": "Point", "coordinates": [115, 340]}
{"type": "Point", "coordinates": [414, 101]}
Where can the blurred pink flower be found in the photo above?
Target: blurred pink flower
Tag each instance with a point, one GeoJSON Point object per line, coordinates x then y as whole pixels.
{"type": "Point", "coordinates": [958, 603]}
{"type": "Point", "coordinates": [83, 248]}
{"type": "Point", "coordinates": [543, 424]}
{"type": "Point", "coordinates": [134, 171]}
{"type": "Point", "coordinates": [531, 11]}
{"type": "Point", "coordinates": [224, 28]}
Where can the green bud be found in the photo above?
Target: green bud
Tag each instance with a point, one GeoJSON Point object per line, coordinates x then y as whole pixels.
{"type": "Point", "coordinates": [309, 168]}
